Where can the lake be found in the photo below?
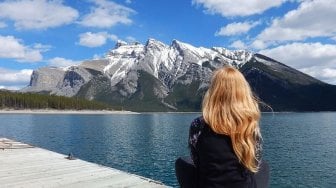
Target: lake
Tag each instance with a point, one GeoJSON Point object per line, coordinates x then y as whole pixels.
{"type": "Point", "coordinates": [300, 147]}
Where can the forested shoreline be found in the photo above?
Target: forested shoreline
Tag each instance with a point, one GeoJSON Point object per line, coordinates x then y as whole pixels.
{"type": "Point", "coordinates": [17, 100]}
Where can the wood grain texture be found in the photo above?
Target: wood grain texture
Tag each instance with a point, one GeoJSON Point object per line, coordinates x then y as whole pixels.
{"type": "Point", "coordinates": [22, 165]}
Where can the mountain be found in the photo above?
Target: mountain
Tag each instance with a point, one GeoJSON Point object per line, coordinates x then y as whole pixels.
{"type": "Point", "coordinates": [287, 89]}
{"type": "Point", "coordinates": [160, 77]}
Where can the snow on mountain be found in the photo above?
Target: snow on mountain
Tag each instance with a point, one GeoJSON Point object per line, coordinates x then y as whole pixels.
{"type": "Point", "coordinates": [171, 60]}
{"type": "Point", "coordinates": [178, 62]}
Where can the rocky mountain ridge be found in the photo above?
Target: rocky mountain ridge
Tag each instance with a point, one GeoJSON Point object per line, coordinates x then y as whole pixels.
{"type": "Point", "coordinates": [159, 77]}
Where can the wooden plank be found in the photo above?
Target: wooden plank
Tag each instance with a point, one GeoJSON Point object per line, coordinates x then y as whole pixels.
{"type": "Point", "coordinates": [92, 180]}
{"type": "Point", "coordinates": [43, 170]}
{"type": "Point", "coordinates": [11, 144]}
{"type": "Point", "coordinates": [122, 180]}
{"type": "Point", "coordinates": [52, 174]}
{"type": "Point", "coordinates": [22, 165]}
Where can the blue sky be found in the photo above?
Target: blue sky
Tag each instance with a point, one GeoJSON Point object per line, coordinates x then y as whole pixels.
{"type": "Point", "coordinates": [36, 33]}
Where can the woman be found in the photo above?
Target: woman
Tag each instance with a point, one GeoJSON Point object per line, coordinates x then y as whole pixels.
{"type": "Point", "coordinates": [225, 141]}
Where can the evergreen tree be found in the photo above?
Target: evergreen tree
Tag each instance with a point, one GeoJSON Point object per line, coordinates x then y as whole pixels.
{"type": "Point", "coordinates": [18, 100]}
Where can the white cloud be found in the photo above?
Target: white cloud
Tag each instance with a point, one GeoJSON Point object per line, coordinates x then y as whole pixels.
{"type": "Point", "coordinates": [98, 56]}
{"type": "Point", "coordinates": [310, 19]}
{"type": "Point", "coordinates": [315, 59]}
{"type": "Point", "coordinates": [113, 37]}
{"type": "Point", "coordinates": [236, 28]}
{"type": "Point", "coordinates": [130, 39]}
{"type": "Point", "coordinates": [12, 47]}
{"type": "Point", "coordinates": [302, 55]}
{"type": "Point", "coordinates": [3, 25]}
{"type": "Point", "coordinates": [89, 39]}
{"type": "Point", "coordinates": [14, 79]}
{"type": "Point", "coordinates": [62, 62]}
{"type": "Point", "coordinates": [37, 14]}
{"type": "Point", "coordinates": [128, 1]}
{"type": "Point", "coordinates": [228, 8]}
{"type": "Point", "coordinates": [259, 44]}
{"type": "Point", "coordinates": [238, 45]}
{"type": "Point", "coordinates": [42, 47]}
{"type": "Point", "coordinates": [326, 74]}
{"type": "Point", "coordinates": [107, 14]}
{"type": "Point", "coordinates": [12, 87]}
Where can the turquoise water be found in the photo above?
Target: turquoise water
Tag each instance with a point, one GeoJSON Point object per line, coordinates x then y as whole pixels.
{"type": "Point", "coordinates": [300, 147]}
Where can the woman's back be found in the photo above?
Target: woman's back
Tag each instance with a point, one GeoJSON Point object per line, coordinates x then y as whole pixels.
{"type": "Point", "coordinates": [216, 162]}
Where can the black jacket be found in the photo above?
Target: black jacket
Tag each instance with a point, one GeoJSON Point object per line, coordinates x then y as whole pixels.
{"type": "Point", "coordinates": [215, 160]}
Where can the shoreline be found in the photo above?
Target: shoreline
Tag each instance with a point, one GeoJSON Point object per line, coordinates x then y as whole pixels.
{"type": "Point", "coordinates": [52, 111]}
{"type": "Point", "coordinates": [107, 112]}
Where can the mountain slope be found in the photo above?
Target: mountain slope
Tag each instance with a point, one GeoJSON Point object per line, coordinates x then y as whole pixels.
{"type": "Point", "coordinates": [286, 89]}
{"type": "Point", "coordinates": [160, 77]}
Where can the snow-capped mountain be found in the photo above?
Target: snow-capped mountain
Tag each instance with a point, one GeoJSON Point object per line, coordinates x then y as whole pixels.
{"type": "Point", "coordinates": [155, 76]}
{"type": "Point", "coordinates": [168, 63]}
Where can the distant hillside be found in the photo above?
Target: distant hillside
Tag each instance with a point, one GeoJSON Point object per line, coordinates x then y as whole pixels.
{"type": "Point", "coordinates": [16, 100]}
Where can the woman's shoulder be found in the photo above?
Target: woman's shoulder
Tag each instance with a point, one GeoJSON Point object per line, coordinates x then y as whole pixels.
{"type": "Point", "coordinates": [197, 120]}
{"type": "Point", "coordinates": [195, 130]}
{"type": "Point", "coordinates": [198, 123]}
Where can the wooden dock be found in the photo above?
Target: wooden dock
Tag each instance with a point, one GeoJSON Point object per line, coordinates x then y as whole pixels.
{"type": "Point", "coordinates": [22, 165]}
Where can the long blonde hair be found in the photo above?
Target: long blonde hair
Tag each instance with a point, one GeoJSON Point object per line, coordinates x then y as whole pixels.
{"type": "Point", "coordinates": [230, 108]}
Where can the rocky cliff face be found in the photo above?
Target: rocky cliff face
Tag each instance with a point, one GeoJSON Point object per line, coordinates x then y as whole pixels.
{"type": "Point", "coordinates": [64, 81]}
{"type": "Point", "coordinates": [160, 77]}
{"type": "Point", "coordinates": [45, 78]}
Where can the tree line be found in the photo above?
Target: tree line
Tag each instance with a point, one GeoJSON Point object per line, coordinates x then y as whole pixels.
{"type": "Point", "coordinates": [16, 100]}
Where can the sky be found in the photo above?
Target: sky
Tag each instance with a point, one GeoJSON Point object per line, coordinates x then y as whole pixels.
{"type": "Point", "coordinates": [38, 33]}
